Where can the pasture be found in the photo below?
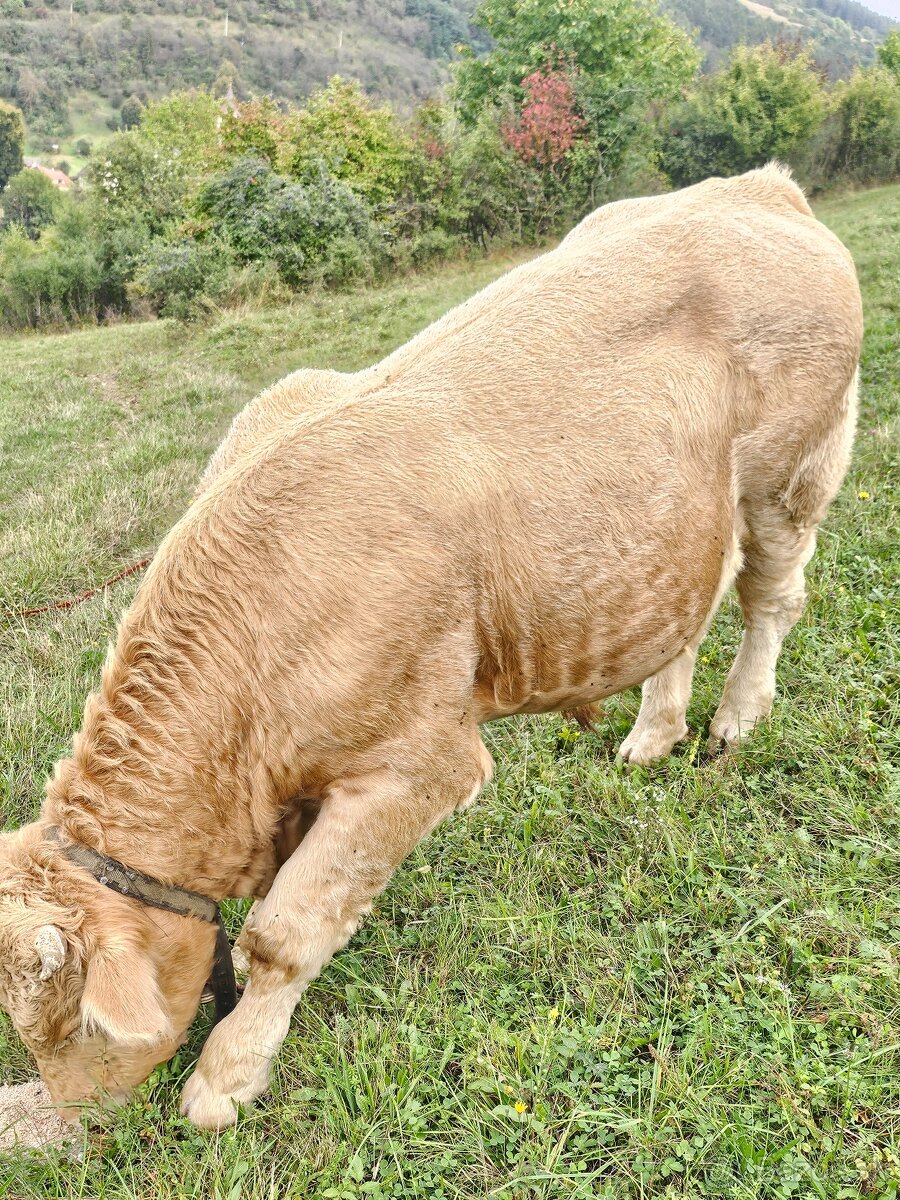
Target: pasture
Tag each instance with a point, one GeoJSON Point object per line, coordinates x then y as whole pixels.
{"type": "Point", "coordinates": [682, 981]}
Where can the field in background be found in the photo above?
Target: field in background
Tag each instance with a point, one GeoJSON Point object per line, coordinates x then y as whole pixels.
{"type": "Point", "coordinates": [675, 982]}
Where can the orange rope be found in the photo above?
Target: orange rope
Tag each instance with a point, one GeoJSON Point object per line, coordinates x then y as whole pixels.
{"type": "Point", "coordinates": [33, 612]}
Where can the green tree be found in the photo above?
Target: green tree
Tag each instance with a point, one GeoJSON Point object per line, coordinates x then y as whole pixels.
{"type": "Point", "coordinates": [366, 147]}
{"type": "Point", "coordinates": [255, 128]}
{"type": "Point", "coordinates": [30, 200]}
{"type": "Point", "coordinates": [133, 186]}
{"type": "Point", "coordinates": [227, 78]}
{"type": "Point", "coordinates": [620, 56]}
{"type": "Point", "coordinates": [12, 142]}
{"type": "Point", "coordinates": [131, 112]}
{"type": "Point", "coordinates": [889, 53]}
{"type": "Point", "coordinates": [765, 104]}
{"type": "Point", "coordinates": [184, 126]}
{"type": "Point", "coordinates": [865, 128]}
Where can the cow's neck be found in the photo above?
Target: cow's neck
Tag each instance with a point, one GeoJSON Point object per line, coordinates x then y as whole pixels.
{"type": "Point", "coordinates": [175, 790]}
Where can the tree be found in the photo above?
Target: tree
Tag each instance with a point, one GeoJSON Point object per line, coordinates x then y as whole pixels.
{"type": "Point", "coordinates": [83, 148]}
{"type": "Point", "coordinates": [227, 79]}
{"type": "Point", "coordinates": [620, 57]}
{"type": "Point", "coordinates": [12, 142]}
{"type": "Point", "coordinates": [865, 143]}
{"type": "Point", "coordinates": [765, 104]}
{"type": "Point", "coordinates": [366, 147]}
{"type": "Point", "coordinates": [548, 124]}
{"type": "Point", "coordinates": [131, 112]}
{"type": "Point", "coordinates": [185, 126]}
{"type": "Point", "coordinates": [889, 53]}
{"type": "Point", "coordinates": [30, 200]}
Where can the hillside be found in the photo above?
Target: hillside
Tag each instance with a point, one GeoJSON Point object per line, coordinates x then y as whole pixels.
{"type": "Point", "coordinates": [68, 66]}
{"type": "Point", "coordinates": [841, 33]}
{"type": "Point", "coordinates": [69, 63]}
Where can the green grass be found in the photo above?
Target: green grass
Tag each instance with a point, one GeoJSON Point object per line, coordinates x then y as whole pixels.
{"type": "Point", "coordinates": [675, 982]}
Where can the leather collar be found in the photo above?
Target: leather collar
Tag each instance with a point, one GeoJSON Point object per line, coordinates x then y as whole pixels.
{"type": "Point", "coordinates": [137, 886]}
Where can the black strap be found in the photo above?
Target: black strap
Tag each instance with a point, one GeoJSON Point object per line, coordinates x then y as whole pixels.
{"type": "Point", "coordinates": [224, 985]}
{"type": "Point", "coordinates": [137, 886]}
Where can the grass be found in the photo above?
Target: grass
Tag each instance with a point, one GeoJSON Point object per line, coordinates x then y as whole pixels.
{"type": "Point", "coordinates": [675, 982]}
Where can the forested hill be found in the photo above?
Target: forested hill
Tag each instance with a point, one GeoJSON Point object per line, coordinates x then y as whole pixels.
{"type": "Point", "coordinates": [69, 63]}
{"type": "Point", "coordinates": [77, 59]}
{"type": "Point", "coordinates": [841, 33]}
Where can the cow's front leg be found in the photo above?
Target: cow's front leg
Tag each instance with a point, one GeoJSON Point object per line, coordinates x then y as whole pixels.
{"type": "Point", "coordinates": [366, 827]}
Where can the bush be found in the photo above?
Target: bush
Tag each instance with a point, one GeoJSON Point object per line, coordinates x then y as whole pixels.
{"type": "Point", "coordinates": [83, 148]}
{"type": "Point", "coordinates": [865, 128]}
{"type": "Point", "coordinates": [135, 181]}
{"type": "Point", "coordinates": [365, 147]}
{"type": "Point", "coordinates": [176, 275]}
{"type": "Point", "coordinates": [57, 281]}
{"type": "Point", "coordinates": [486, 190]}
{"type": "Point", "coordinates": [765, 104]}
{"type": "Point", "coordinates": [12, 142]}
{"type": "Point", "coordinates": [184, 126]}
{"type": "Point", "coordinates": [307, 227]}
{"type": "Point", "coordinates": [31, 201]}
{"type": "Point", "coordinates": [131, 112]}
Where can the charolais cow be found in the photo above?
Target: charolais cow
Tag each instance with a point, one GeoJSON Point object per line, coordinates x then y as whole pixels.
{"type": "Point", "coordinates": [536, 503]}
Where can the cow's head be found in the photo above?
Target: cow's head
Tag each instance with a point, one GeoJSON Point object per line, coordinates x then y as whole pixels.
{"type": "Point", "coordinates": [99, 988]}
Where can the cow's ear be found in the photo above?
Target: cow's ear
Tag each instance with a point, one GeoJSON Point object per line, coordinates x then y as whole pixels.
{"type": "Point", "coordinates": [121, 996]}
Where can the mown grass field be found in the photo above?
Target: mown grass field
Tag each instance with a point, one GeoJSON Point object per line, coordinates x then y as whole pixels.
{"type": "Point", "coordinates": [675, 982]}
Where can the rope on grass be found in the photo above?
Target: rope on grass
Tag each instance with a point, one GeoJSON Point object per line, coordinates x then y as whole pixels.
{"type": "Point", "coordinates": [57, 604]}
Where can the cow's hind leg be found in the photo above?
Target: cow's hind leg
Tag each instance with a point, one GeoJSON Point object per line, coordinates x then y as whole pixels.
{"type": "Point", "coordinates": [772, 593]}
{"type": "Point", "coordinates": [661, 721]}
{"type": "Point", "coordinates": [366, 827]}
{"type": "Point", "coordinates": [781, 515]}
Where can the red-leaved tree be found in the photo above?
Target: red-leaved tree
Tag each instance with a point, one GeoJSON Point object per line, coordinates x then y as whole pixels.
{"type": "Point", "coordinates": [549, 123]}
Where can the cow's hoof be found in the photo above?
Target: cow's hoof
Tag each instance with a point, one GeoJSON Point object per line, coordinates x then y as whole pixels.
{"type": "Point", "coordinates": [643, 746]}
{"type": "Point", "coordinates": [729, 729]}
{"type": "Point", "coordinates": [206, 1107]}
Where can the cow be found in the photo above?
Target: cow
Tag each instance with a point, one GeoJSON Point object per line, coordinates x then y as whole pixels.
{"type": "Point", "coordinates": [536, 503]}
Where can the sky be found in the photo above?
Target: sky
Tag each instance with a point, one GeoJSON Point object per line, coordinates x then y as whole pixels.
{"type": "Point", "coordinates": [888, 8]}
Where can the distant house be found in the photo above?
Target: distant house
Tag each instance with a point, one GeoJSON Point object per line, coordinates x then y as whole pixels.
{"type": "Point", "coordinates": [58, 178]}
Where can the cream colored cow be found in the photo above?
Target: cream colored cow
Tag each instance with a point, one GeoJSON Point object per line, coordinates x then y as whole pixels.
{"type": "Point", "coordinates": [536, 503]}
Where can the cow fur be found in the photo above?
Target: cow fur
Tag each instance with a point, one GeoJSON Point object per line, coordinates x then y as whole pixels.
{"type": "Point", "coordinates": [538, 502]}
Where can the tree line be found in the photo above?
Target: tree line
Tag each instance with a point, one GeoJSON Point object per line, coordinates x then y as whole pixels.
{"type": "Point", "coordinates": [204, 202]}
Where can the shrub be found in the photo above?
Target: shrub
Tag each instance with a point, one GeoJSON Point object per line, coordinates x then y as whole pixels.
{"type": "Point", "coordinates": [865, 128]}
{"type": "Point", "coordinates": [486, 190]}
{"type": "Point", "coordinates": [256, 129]}
{"type": "Point", "coordinates": [184, 126]}
{"type": "Point", "coordinates": [31, 201]}
{"type": "Point", "coordinates": [765, 104]}
{"type": "Point", "coordinates": [12, 142]}
{"type": "Point", "coordinates": [83, 148]}
{"type": "Point", "coordinates": [57, 280]}
{"type": "Point", "coordinates": [549, 123]}
{"type": "Point", "coordinates": [306, 227]}
{"type": "Point", "coordinates": [174, 276]}
{"type": "Point", "coordinates": [131, 112]}
{"type": "Point", "coordinates": [135, 181]}
{"type": "Point", "coordinates": [365, 147]}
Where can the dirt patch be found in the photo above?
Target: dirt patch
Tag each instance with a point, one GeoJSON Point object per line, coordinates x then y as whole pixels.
{"type": "Point", "coordinates": [763, 10]}
{"type": "Point", "coordinates": [29, 1120]}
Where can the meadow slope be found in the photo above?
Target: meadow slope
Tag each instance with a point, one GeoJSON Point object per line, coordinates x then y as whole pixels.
{"type": "Point", "coordinates": [674, 982]}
